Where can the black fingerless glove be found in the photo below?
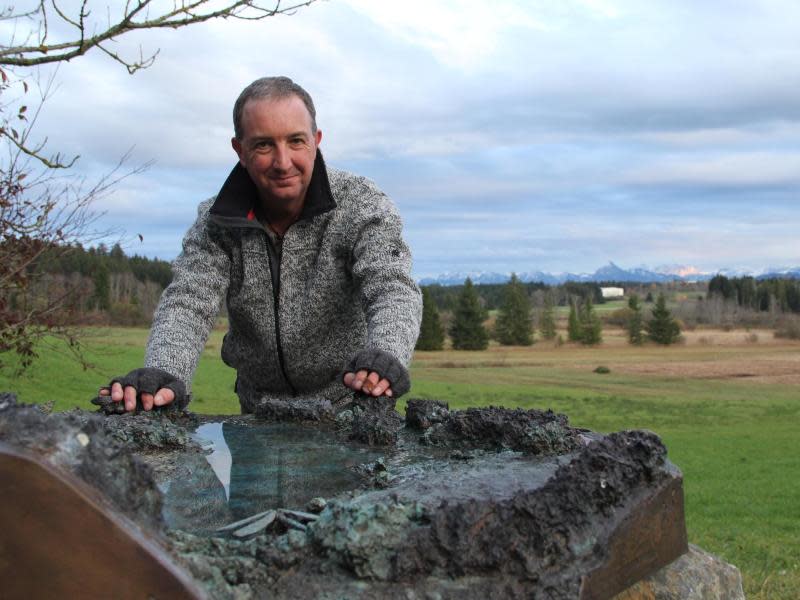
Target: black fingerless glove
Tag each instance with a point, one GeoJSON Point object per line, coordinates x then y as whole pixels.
{"type": "Point", "coordinates": [385, 365]}
{"type": "Point", "coordinates": [147, 380]}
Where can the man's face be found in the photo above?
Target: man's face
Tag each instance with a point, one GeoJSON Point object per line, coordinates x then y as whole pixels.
{"type": "Point", "coordinates": [278, 149]}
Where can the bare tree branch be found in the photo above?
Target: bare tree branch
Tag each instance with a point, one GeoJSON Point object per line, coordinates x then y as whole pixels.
{"type": "Point", "coordinates": [20, 140]}
{"type": "Point", "coordinates": [135, 16]}
{"type": "Point", "coordinates": [50, 163]}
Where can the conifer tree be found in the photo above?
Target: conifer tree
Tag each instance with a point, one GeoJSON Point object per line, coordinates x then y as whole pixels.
{"type": "Point", "coordinates": [573, 324]}
{"type": "Point", "coordinates": [547, 319]}
{"type": "Point", "coordinates": [591, 328]}
{"type": "Point", "coordinates": [467, 330]}
{"type": "Point", "coordinates": [635, 321]}
{"type": "Point", "coordinates": [102, 291]}
{"type": "Point", "coordinates": [431, 332]}
{"type": "Point", "coordinates": [514, 325]}
{"type": "Point", "coordinates": [662, 328]}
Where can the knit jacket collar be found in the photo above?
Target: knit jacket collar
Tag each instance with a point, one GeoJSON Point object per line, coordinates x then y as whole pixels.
{"type": "Point", "coordinates": [237, 203]}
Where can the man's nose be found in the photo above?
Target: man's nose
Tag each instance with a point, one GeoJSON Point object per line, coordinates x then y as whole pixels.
{"type": "Point", "coordinates": [281, 158]}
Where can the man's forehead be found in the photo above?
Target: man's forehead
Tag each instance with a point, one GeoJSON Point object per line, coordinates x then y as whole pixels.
{"type": "Point", "coordinates": [287, 109]}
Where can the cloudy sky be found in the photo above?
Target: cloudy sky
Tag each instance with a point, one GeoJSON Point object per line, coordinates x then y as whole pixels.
{"type": "Point", "coordinates": [532, 135]}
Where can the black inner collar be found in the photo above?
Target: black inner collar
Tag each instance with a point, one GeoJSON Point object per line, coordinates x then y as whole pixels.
{"type": "Point", "coordinates": [239, 194]}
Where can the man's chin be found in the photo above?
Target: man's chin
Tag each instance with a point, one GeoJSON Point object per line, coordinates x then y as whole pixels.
{"type": "Point", "coordinates": [287, 193]}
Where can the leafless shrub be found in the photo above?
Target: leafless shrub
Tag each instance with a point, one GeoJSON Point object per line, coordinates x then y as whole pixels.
{"type": "Point", "coordinates": [788, 329]}
{"type": "Point", "coordinates": [724, 314]}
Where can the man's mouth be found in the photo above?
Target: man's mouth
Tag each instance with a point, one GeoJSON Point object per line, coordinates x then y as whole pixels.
{"type": "Point", "coordinates": [283, 180]}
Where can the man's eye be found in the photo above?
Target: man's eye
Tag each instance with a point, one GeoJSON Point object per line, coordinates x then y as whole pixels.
{"type": "Point", "coordinates": [262, 145]}
{"type": "Point", "coordinates": [297, 141]}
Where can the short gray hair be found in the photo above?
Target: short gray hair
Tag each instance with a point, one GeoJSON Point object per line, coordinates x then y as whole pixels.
{"type": "Point", "coordinates": [271, 88]}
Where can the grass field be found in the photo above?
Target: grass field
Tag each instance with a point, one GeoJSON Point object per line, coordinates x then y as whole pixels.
{"type": "Point", "coordinates": [727, 404]}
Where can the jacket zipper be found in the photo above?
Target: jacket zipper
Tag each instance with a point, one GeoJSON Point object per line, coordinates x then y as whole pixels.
{"type": "Point", "coordinates": [276, 290]}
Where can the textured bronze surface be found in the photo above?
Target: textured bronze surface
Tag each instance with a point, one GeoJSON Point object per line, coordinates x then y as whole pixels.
{"type": "Point", "coordinates": [651, 536]}
{"type": "Point", "coordinates": [58, 541]}
{"type": "Point", "coordinates": [491, 503]}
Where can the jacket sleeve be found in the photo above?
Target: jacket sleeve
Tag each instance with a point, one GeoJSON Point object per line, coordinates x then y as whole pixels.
{"type": "Point", "coordinates": [190, 304]}
{"type": "Point", "coordinates": [390, 298]}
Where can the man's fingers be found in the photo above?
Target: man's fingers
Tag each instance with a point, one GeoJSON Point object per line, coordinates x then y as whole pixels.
{"type": "Point", "coordinates": [370, 382]}
{"type": "Point", "coordinates": [147, 401]}
{"type": "Point", "coordinates": [355, 380]}
{"type": "Point", "coordinates": [358, 382]}
{"type": "Point", "coordinates": [163, 397]}
{"type": "Point", "coordinates": [380, 387]}
{"type": "Point", "coordinates": [116, 391]}
{"type": "Point", "coordinates": [104, 391]}
{"type": "Point", "coordinates": [130, 398]}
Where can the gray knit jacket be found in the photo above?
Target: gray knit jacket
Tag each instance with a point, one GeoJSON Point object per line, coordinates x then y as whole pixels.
{"type": "Point", "coordinates": [343, 296]}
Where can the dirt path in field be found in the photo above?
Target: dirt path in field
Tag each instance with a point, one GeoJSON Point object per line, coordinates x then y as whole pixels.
{"type": "Point", "coordinates": [763, 371]}
{"type": "Point", "coordinates": [722, 355]}
{"type": "Point", "coordinates": [753, 356]}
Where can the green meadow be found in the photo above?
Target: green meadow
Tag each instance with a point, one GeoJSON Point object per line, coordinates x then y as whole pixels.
{"type": "Point", "coordinates": [727, 405]}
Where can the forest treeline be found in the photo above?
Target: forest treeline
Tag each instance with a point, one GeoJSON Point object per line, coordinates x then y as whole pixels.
{"type": "Point", "coordinates": [98, 285]}
{"type": "Point", "coordinates": [463, 311]}
{"type": "Point", "coordinates": [492, 295]}
{"type": "Point", "coordinates": [775, 294]}
{"type": "Point", "coordinates": [102, 285]}
{"type": "Point", "coordinates": [525, 307]}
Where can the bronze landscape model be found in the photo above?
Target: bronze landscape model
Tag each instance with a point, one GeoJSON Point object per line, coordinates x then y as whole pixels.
{"type": "Point", "coordinates": [346, 502]}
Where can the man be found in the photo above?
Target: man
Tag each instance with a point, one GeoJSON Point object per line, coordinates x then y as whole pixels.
{"type": "Point", "coordinates": [310, 261]}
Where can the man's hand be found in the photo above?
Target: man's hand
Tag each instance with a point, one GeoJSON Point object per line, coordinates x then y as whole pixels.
{"type": "Point", "coordinates": [162, 397]}
{"type": "Point", "coordinates": [376, 373]}
{"type": "Point", "coordinates": [369, 383]}
{"type": "Point", "coordinates": [154, 387]}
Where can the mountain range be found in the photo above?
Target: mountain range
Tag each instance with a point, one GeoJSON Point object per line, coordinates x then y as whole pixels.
{"type": "Point", "coordinates": [611, 272]}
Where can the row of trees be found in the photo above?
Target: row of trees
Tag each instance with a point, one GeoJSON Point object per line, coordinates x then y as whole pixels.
{"type": "Point", "coordinates": [514, 324]}
{"type": "Point", "coordinates": [88, 261]}
{"type": "Point", "coordinates": [493, 295]}
{"type": "Point", "coordinates": [776, 294]}
{"type": "Point", "coordinates": [94, 285]}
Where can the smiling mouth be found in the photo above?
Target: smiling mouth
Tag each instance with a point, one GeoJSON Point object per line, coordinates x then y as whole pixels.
{"type": "Point", "coordinates": [284, 180]}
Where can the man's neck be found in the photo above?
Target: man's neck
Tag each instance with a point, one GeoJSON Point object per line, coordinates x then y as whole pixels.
{"type": "Point", "coordinates": [280, 218]}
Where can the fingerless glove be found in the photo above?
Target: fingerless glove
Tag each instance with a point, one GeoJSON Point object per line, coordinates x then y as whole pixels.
{"type": "Point", "coordinates": [385, 365]}
{"type": "Point", "coordinates": [147, 380]}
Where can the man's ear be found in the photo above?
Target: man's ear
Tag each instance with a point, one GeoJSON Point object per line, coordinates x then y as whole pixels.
{"type": "Point", "coordinates": [237, 147]}
{"type": "Point", "coordinates": [318, 137]}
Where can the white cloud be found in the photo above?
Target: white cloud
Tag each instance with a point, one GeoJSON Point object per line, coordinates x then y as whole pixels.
{"type": "Point", "coordinates": [769, 133]}
{"type": "Point", "coordinates": [463, 34]}
{"type": "Point", "coordinates": [740, 169]}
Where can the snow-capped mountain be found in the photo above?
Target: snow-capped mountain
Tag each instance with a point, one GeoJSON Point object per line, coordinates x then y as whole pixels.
{"type": "Point", "coordinates": [611, 272]}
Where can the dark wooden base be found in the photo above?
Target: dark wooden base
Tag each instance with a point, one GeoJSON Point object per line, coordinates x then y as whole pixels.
{"type": "Point", "coordinates": [57, 540]}
{"type": "Point", "coordinates": [651, 536]}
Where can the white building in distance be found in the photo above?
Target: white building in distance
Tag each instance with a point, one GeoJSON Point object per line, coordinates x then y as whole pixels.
{"type": "Point", "coordinates": [611, 293]}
